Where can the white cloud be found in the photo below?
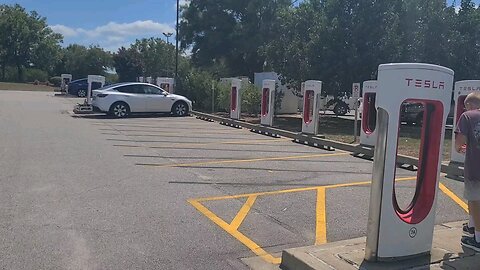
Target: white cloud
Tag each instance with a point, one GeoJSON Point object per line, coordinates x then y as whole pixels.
{"type": "Point", "coordinates": [113, 35]}
{"type": "Point", "coordinates": [64, 30]}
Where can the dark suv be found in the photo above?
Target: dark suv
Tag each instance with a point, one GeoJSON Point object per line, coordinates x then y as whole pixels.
{"type": "Point", "coordinates": [79, 87]}
{"type": "Point", "coordinates": [412, 113]}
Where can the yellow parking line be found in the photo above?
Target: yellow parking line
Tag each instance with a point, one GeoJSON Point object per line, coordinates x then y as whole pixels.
{"type": "Point", "coordinates": [292, 190]}
{"type": "Point", "coordinates": [242, 214]}
{"type": "Point", "coordinates": [232, 229]}
{"type": "Point", "coordinates": [368, 182]}
{"type": "Point", "coordinates": [235, 233]}
{"type": "Point", "coordinates": [454, 197]}
{"type": "Point", "coordinates": [238, 160]}
{"type": "Point", "coordinates": [321, 223]}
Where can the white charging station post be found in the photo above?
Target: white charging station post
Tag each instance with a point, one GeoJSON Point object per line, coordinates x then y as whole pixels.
{"type": "Point", "coordinates": [268, 103]}
{"type": "Point", "coordinates": [393, 232]}
{"type": "Point", "coordinates": [462, 89]}
{"type": "Point", "coordinates": [66, 79]}
{"type": "Point", "coordinates": [149, 80]}
{"type": "Point", "coordinates": [86, 107]}
{"type": "Point", "coordinates": [166, 84]}
{"type": "Point", "coordinates": [236, 99]}
{"type": "Point", "coordinates": [311, 110]}
{"type": "Point", "coordinates": [368, 132]}
{"type": "Point", "coordinates": [141, 79]}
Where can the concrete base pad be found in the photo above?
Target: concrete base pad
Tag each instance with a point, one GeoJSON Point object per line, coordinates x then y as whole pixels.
{"type": "Point", "coordinates": [446, 253]}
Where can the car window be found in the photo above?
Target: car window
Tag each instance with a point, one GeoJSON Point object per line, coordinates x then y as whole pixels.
{"type": "Point", "coordinates": [132, 89]}
{"type": "Point", "coordinates": [151, 90]}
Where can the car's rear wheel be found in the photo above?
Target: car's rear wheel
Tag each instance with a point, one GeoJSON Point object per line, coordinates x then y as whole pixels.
{"type": "Point", "coordinates": [340, 109]}
{"type": "Point", "coordinates": [180, 108]}
{"type": "Point", "coordinates": [119, 110]}
{"type": "Point", "coordinates": [82, 93]}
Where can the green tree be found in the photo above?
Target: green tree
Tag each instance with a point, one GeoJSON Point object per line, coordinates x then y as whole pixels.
{"type": "Point", "coordinates": [25, 37]}
{"type": "Point", "coordinates": [81, 61]}
{"type": "Point", "coordinates": [228, 33]}
{"type": "Point", "coordinates": [146, 57]}
{"type": "Point", "coordinates": [128, 64]}
{"type": "Point", "coordinates": [465, 48]}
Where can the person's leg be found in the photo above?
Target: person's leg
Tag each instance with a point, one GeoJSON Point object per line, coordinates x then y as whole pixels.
{"type": "Point", "coordinates": [471, 222]}
{"type": "Point", "coordinates": [474, 208]}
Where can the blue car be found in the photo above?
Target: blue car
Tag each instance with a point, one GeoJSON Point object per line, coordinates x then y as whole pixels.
{"type": "Point", "coordinates": [79, 87]}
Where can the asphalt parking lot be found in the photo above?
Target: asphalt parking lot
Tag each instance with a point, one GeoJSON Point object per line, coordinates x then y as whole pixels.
{"type": "Point", "coordinates": [159, 192]}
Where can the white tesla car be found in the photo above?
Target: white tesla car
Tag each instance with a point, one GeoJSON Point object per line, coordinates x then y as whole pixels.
{"type": "Point", "coordinates": [121, 99]}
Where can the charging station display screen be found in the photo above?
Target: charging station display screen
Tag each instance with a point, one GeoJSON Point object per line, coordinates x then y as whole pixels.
{"type": "Point", "coordinates": [265, 101]}
{"type": "Point", "coordinates": [233, 99]}
{"type": "Point", "coordinates": [426, 181]}
{"type": "Point", "coordinates": [308, 106]}
{"type": "Point", "coordinates": [369, 114]}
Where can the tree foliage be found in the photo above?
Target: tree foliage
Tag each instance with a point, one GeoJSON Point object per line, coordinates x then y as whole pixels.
{"type": "Point", "coordinates": [336, 41]}
{"type": "Point", "coordinates": [81, 61]}
{"type": "Point", "coordinates": [26, 41]}
{"type": "Point", "coordinates": [227, 33]}
{"type": "Point", "coordinates": [146, 57]}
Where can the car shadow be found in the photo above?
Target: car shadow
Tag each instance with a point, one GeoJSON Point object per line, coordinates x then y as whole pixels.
{"type": "Point", "coordinates": [133, 116]}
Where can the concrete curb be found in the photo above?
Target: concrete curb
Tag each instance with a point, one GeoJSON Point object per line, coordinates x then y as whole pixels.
{"type": "Point", "coordinates": [446, 253]}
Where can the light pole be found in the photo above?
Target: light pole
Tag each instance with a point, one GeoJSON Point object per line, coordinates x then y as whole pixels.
{"type": "Point", "coordinates": [176, 42]}
{"type": "Point", "coordinates": [167, 35]}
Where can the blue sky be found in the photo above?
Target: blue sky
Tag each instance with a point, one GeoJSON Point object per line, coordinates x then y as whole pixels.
{"type": "Point", "coordinates": [108, 23]}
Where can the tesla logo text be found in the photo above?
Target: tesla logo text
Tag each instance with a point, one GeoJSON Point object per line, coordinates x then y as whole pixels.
{"type": "Point", "coordinates": [469, 88]}
{"type": "Point", "coordinates": [420, 83]}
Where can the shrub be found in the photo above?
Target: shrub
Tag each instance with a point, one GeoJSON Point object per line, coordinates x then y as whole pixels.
{"type": "Point", "coordinates": [33, 74]}
{"type": "Point", "coordinates": [223, 97]}
{"type": "Point", "coordinates": [55, 81]}
{"type": "Point", "coordinates": [251, 98]}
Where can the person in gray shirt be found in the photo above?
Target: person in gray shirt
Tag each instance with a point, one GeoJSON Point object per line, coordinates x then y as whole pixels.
{"type": "Point", "coordinates": [467, 140]}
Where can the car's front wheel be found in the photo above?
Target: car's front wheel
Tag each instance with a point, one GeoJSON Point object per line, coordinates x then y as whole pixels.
{"type": "Point", "coordinates": [82, 93]}
{"type": "Point", "coordinates": [180, 108]}
{"type": "Point", "coordinates": [119, 110]}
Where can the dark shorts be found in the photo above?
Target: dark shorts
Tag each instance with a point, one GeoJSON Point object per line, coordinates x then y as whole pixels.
{"type": "Point", "coordinates": [472, 190]}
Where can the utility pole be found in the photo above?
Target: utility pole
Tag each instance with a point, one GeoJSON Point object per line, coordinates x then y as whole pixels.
{"type": "Point", "coordinates": [176, 42]}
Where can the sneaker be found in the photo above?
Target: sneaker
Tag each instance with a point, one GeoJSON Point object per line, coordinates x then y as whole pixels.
{"type": "Point", "coordinates": [468, 231]}
{"type": "Point", "coordinates": [470, 242]}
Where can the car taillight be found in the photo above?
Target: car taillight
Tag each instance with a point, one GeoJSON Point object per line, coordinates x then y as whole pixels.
{"type": "Point", "coordinates": [102, 95]}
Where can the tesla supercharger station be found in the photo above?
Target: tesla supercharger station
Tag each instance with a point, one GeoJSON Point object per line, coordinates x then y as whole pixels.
{"type": "Point", "coordinates": [149, 80]}
{"type": "Point", "coordinates": [311, 97]}
{"type": "Point", "coordinates": [87, 106]}
{"type": "Point", "coordinates": [268, 103]}
{"type": "Point", "coordinates": [236, 99]}
{"type": "Point", "coordinates": [166, 84]}
{"type": "Point", "coordinates": [140, 79]}
{"type": "Point", "coordinates": [393, 232]}
{"type": "Point", "coordinates": [368, 133]}
{"type": "Point", "coordinates": [66, 79]}
{"type": "Point", "coordinates": [462, 89]}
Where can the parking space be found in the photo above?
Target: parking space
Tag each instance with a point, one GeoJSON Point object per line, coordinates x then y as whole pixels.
{"type": "Point", "coordinates": [214, 193]}
{"type": "Point", "coordinates": [267, 193]}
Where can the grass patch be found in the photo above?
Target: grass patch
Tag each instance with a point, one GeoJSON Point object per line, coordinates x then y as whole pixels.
{"type": "Point", "coordinates": [25, 87]}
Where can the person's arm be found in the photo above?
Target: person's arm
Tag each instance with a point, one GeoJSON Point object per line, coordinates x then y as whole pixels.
{"type": "Point", "coordinates": [460, 142]}
{"type": "Point", "coordinates": [461, 134]}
